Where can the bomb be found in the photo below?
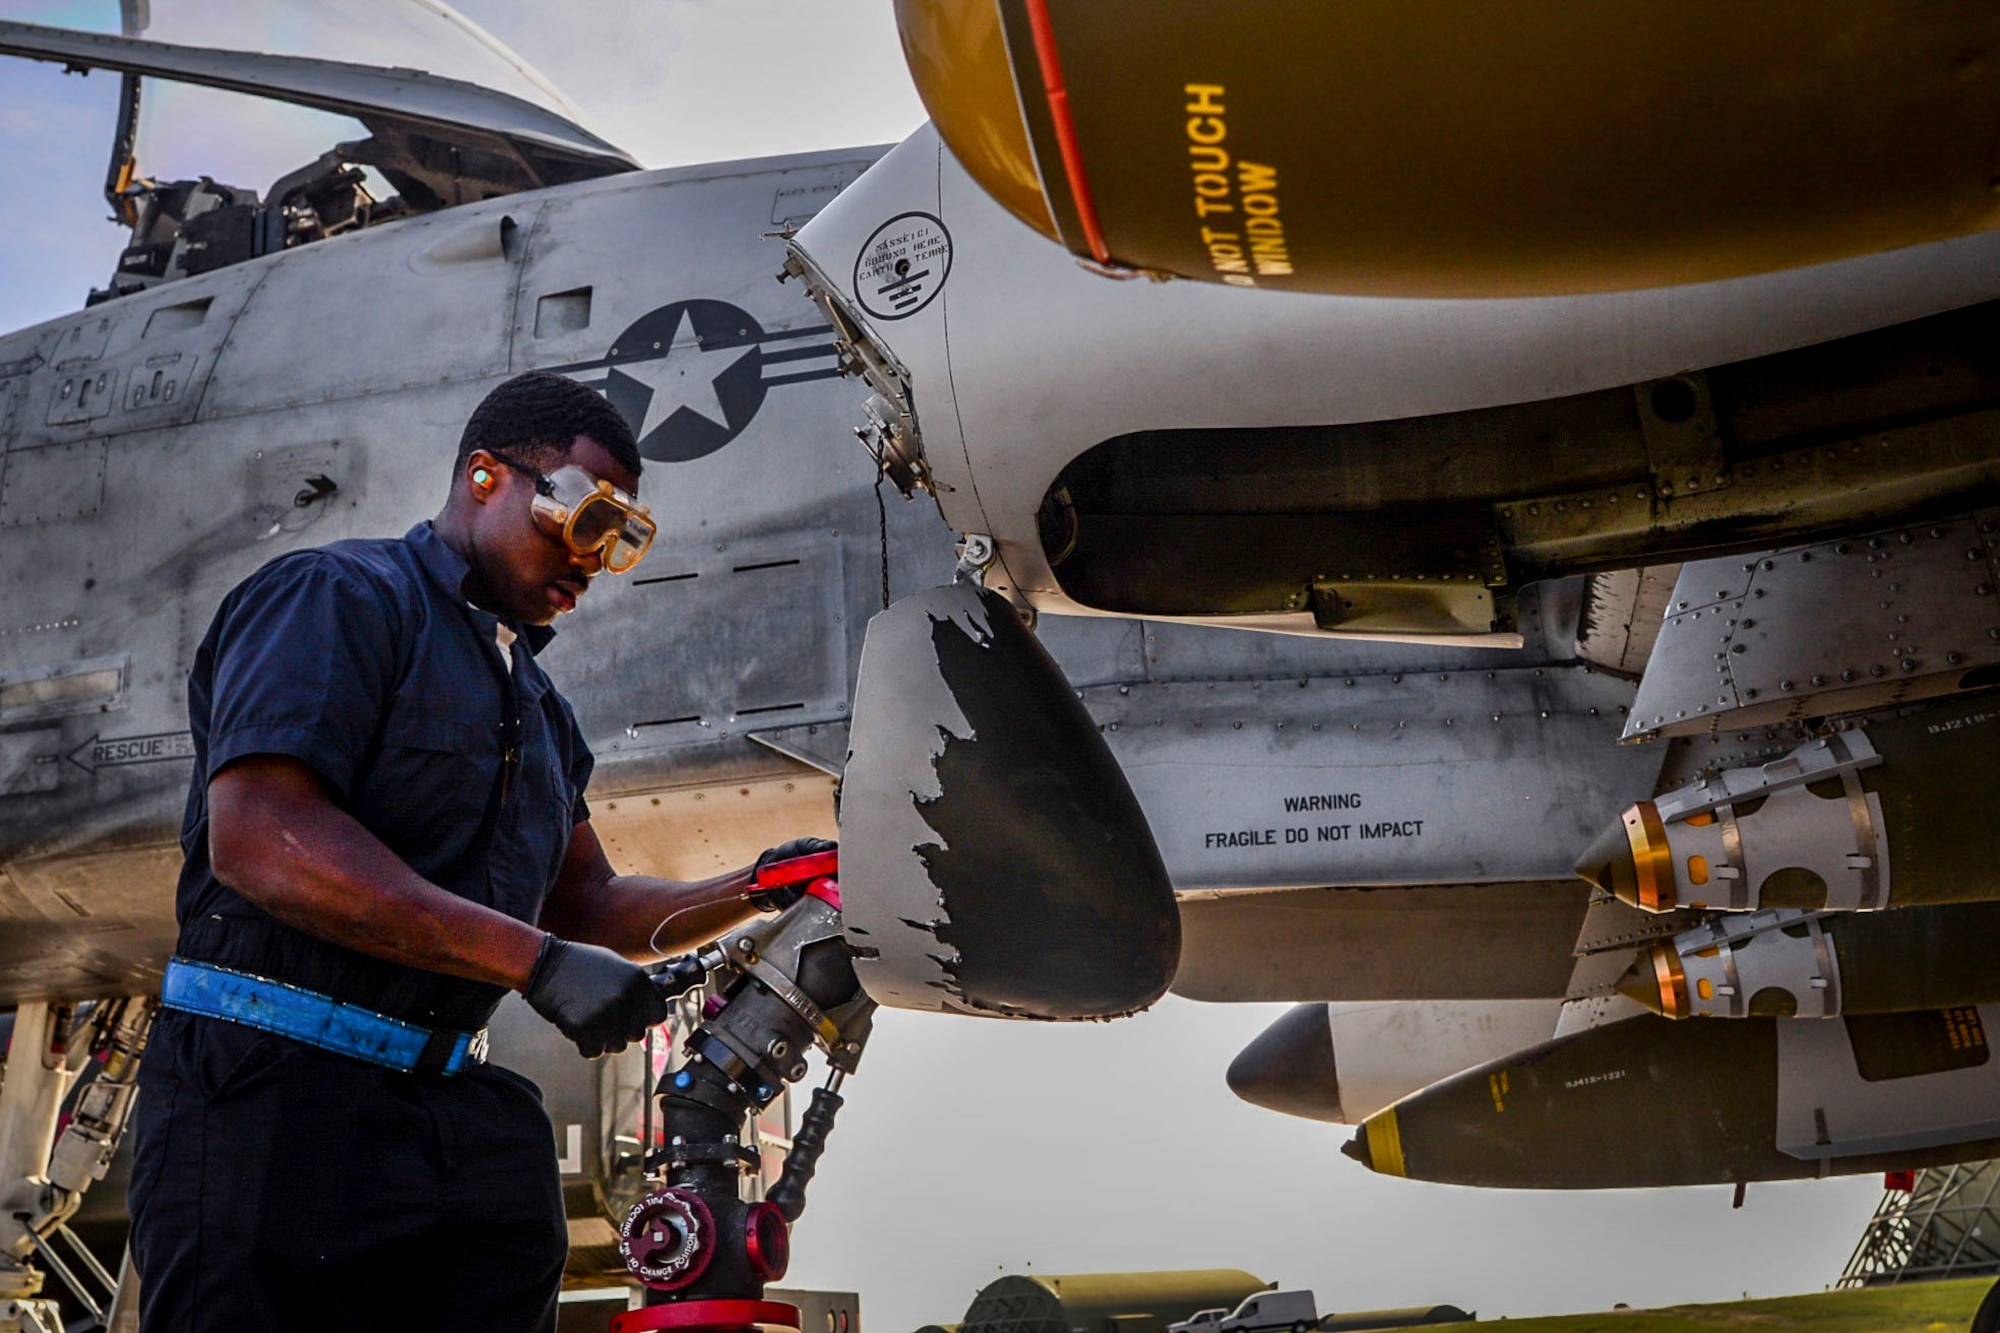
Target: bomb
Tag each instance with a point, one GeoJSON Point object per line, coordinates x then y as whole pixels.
{"type": "Point", "coordinates": [1785, 963]}
{"type": "Point", "coordinates": [1648, 1102]}
{"type": "Point", "coordinates": [1894, 814]}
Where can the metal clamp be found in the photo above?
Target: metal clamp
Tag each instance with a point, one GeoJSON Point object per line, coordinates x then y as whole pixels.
{"type": "Point", "coordinates": [1830, 756]}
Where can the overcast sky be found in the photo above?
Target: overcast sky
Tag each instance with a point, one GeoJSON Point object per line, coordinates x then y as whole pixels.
{"type": "Point", "coordinates": [967, 1148]}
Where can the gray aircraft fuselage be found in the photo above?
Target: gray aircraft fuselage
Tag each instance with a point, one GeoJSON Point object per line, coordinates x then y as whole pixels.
{"type": "Point", "coordinates": [161, 446]}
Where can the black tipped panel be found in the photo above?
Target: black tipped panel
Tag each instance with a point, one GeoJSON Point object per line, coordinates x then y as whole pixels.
{"type": "Point", "coordinates": [994, 858]}
{"type": "Point", "coordinates": [1289, 1067]}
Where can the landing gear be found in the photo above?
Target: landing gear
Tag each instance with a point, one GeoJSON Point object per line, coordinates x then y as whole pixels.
{"type": "Point", "coordinates": [43, 1175]}
{"type": "Point", "coordinates": [783, 985]}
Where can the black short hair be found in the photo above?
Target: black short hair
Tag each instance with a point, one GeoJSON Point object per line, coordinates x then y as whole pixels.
{"type": "Point", "coordinates": [535, 419]}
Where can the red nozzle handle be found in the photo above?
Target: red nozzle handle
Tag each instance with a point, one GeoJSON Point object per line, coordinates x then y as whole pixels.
{"type": "Point", "coordinates": [799, 870]}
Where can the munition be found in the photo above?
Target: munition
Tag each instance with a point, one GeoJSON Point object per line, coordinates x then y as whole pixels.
{"type": "Point", "coordinates": [1896, 814]}
{"type": "Point", "coordinates": [1464, 148]}
{"type": "Point", "coordinates": [1344, 1062]}
{"type": "Point", "coordinates": [1646, 1102]}
{"type": "Point", "coordinates": [1786, 962]}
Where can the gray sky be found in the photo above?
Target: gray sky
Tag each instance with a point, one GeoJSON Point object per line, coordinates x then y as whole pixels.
{"type": "Point", "coordinates": [967, 1148]}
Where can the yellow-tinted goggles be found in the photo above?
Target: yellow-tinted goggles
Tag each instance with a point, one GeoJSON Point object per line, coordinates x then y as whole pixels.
{"type": "Point", "coordinates": [591, 515]}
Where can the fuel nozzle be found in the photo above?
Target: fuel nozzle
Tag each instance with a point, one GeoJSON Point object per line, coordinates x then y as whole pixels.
{"type": "Point", "coordinates": [677, 976]}
{"type": "Point", "coordinates": [783, 985]}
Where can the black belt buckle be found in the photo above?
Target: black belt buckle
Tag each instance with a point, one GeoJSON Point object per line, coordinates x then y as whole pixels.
{"type": "Point", "coordinates": [435, 1058]}
{"type": "Point", "coordinates": [436, 1053]}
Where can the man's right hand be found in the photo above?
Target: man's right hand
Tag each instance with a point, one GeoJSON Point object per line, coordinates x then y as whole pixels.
{"type": "Point", "coordinates": [594, 997]}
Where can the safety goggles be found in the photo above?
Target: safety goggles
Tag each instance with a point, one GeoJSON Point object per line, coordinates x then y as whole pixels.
{"type": "Point", "coordinates": [590, 515]}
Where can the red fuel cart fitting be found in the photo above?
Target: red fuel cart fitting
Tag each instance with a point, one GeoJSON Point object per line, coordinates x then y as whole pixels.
{"type": "Point", "coordinates": [767, 1238]}
{"type": "Point", "coordinates": [729, 1316]}
{"type": "Point", "coordinates": [668, 1239]}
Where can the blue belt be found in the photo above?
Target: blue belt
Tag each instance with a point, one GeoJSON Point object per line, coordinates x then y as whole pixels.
{"type": "Point", "coordinates": [318, 1020]}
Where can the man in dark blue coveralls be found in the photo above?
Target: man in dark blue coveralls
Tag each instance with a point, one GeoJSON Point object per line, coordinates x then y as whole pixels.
{"type": "Point", "coordinates": [386, 832]}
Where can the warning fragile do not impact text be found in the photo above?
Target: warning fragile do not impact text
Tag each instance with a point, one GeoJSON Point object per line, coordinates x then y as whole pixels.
{"type": "Point", "coordinates": [1292, 835]}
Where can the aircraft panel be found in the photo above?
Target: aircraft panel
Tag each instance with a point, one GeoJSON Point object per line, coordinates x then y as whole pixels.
{"type": "Point", "coordinates": [720, 671]}
{"type": "Point", "coordinates": [1021, 389]}
{"type": "Point", "coordinates": [13, 388]}
{"type": "Point", "coordinates": [1097, 650]}
{"type": "Point", "coordinates": [444, 283]}
{"type": "Point", "coordinates": [1620, 617]}
{"type": "Point", "coordinates": [703, 228]}
{"type": "Point", "coordinates": [1428, 942]}
{"type": "Point", "coordinates": [694, 832]}
{"type": "Point", "coordinates": [58, 484]}
{"type": "Point", "coordinates": [1418, 778]}
{"type": "Point", "coordinates": [1854, 1071]}
{"type": "Point", "coordinates": [1868, 621]}
{"type": "Point", "coordinates": [141, 363]}
{"type": "Point", "coordinates": [30, 760]}
{"type": "Point", "coordinates": [81, 927]}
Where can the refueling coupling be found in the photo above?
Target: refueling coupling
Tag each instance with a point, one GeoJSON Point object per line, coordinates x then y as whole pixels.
{"type": "Point", "coordinates": [782, 986]}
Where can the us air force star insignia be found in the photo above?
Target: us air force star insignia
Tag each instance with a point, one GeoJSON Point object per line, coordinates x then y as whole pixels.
{"type": "Point", "coordinates": [684, 379]}
{"type": "Point", "coordinates": [688, 377]}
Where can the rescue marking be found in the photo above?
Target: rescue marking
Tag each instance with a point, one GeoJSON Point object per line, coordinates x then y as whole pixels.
{"type": "Point", "coordinates": [1247, 240]}
{"type": "Point", "coordinates": [118, 751]}
{"type": "Point", "coordinates": [902, 266]}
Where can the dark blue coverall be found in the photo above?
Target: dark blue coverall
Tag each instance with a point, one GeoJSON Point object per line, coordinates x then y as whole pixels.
{"type": "Point", "coordinates": [277, 1186]}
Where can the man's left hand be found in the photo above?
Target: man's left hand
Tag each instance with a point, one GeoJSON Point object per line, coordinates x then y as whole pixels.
{"type": "Point", "coordinates": [597, 999]}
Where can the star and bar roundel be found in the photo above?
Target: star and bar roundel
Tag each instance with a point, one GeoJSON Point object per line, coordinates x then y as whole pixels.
{"type": "Point", "coordinates": [689, 376]}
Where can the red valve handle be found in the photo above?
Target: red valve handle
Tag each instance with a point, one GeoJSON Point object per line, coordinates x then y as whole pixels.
{"type": "Point", "coordinates": [799, 870]}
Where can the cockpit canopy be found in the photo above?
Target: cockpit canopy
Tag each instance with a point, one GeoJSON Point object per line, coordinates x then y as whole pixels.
{"type": "Point", "coordinates": [450, 116]}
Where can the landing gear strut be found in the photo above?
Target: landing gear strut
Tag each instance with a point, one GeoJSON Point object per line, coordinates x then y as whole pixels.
{"type": "Point", "coordinates": [783, 985]}
{"type": "Point", "coordinates": [46, 1165]}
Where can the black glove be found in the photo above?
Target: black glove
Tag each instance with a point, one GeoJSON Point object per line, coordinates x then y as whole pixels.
{"type": "Point", "coordinates": [783, 896]}
{"type": "Point", "coordinates": [594, 997]}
